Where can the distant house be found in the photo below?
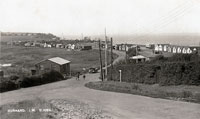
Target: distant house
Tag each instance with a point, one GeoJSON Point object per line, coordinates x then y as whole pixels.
{"type": "Point", "coordinates": [58, 45]}
{"type": "Point", "coordinates": [47, 45]}
{"type": "Point", "coordinates": [184, 50]}
{"type": "Point", "coordinates": [73, 46]}
{"type": "Point", "coordinates": [86, 47]}
{"type": "Point", "coordinates": [169, 49]}
{"type": "Point", "coordinates": [174, 49]}
{"type": "Point", "coordinates": [158, 48]}
{"type": "Point", "coordinates": [138, 59]}
{"type": "Point", "coordinates": [118, 47]}
{"type": "Point", "coordinates": [188, 50]}
{"type": "Point", "coordinates": [27, 44]}
{"type": "Point", "coordinates": [179, 49]}
{"type": "Point", "coordinates": [58, 64]}
{"type": "Point", "coordinates": [195, 49]}
{"type": "Point", "coordinates": [129, 46]}
{"type": "Point", "coordinates": [150, 46]}
{"type": "Point", "coordinates": [165, 47]}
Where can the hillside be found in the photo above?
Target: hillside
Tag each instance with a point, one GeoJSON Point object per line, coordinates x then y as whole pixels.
{"type": "Point", "coordinates": [14, 36]}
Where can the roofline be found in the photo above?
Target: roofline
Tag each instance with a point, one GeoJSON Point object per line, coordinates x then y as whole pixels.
{"type": "Point", "coordinates": [51, 61]}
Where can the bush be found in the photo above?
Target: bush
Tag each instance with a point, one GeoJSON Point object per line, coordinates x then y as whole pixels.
{"type": "Point", "coordinates": [176, 70]}
{"type": "Point", "coordinates": [52, 76]}
{"type": "Point", "coordinates": [48, 77]}
{"type": "Point", "coordinates": [167, 73]}
{"type": "Point", "coordinates": [178, 73]}
{"type": "Point", "coordinates": [31, 81]}
{"type": "Point", "coordinates": [184, 58]}
{"type": "Point", "coordinates": [14, 78]}
{"type": "Point", "coordinates": [136, 73]}
{"type": "Point", "coordinates": [7, 86]}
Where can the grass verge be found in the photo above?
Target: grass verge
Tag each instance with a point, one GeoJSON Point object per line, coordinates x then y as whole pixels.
{"type": "Point", "coordinates": [181, 92]}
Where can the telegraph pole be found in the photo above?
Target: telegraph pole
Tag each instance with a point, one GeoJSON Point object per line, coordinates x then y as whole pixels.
{"type": "Point", "coordinates": [111, 58]}
{"type": "Point", "coordinates": [136, 50]}
{"type": "Point", "coordinates": [126, 53]}
{"type": "Point", "coordinates": [100, 60]}
{"type": "Point", "coordinates": [0, 42]}
{"type": "Point", "coordinates": [106, 48]}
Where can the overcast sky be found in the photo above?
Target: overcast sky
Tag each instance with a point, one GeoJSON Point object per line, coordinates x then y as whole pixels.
{"type": "Point", "coordinates": [90, 17]}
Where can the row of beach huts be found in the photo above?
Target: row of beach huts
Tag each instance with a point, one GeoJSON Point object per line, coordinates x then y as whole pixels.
{"type": "Point", "coordinates": [159, 48]}
{"type": "Point", "coordinates": [176, 49]}
{"type": "Point", "coordinates": [77, 46]}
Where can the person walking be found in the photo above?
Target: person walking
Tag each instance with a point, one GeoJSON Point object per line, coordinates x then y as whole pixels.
{"type": "Point", "coordinates": [84, 76]}
{"type": "Point", "coordinates": [77, 78]}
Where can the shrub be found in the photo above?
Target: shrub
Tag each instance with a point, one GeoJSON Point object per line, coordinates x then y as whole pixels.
{"type": "Point", "coordinates": [7, 86]}
{"type": "Point", "coordinates": [166, 73]}
{"type": "Point", "coordinates": [31, 81]}
{"type": "Point", "coordinates": [186, 94]}
{"type": "Point", "coordinates": [14, 78]}
{"type": "Point", "coordinates": [48, 77]}
{"type": "Point", "coordinates": [52, 76]}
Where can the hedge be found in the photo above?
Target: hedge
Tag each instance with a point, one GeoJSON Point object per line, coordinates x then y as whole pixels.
{"type": "Point", "coordinates": [167, 73]}
{"type": "Point", "coordinates": [48, 77]}
{"type": "Point", "coordinates": [14, 82]}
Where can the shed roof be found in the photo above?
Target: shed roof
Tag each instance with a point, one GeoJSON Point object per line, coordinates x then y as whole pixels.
{"type": "Point", "coordinates": [59, 60]}
{"type": "Point", "coordinates": [138, 57]}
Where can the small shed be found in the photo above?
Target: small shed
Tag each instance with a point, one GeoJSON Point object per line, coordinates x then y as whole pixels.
{"type": "Point", "coordinates": [56, 63]}
{"type": "Point", "coordinates": [138, 58]}
{"type": "Point", "coordinates": [86, 47]}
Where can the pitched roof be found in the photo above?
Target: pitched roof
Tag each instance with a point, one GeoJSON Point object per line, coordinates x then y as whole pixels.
{"type": "Point", "coordinates": [59, 60]}
{"type": "Point", "coordinates": [138, 57]}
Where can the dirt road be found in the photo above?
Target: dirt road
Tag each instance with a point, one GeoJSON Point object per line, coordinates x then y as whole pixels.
{"type": "Point", "coordinates": [118, 105]}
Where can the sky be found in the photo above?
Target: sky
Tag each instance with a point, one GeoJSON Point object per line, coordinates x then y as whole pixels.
{"type": "Point", "coordinates": [91, 17]}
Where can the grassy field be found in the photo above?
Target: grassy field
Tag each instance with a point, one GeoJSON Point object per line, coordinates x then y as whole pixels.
{"type": "Point", "coordinates": [24, 58]}
{"type": "Point", "coordinates": [181, 92]}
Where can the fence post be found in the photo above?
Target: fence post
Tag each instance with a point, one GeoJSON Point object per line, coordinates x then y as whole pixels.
{"type": "Point", "coordinates": [120, 75]}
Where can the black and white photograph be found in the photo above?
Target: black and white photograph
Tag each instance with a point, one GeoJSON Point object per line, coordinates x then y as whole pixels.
{"type": "Point", "coordinates": [99, 59]}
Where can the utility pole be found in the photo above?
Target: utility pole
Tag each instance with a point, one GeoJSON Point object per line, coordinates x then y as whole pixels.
{"type": "Point", "coordinates": [106, 48]}
{"type": "Point", "coordinates": [111, 58]}
{"type": "Point", "coordinates": [136, 50]}
{"type": "Point", "coordinates": [0, 42]}
{"type": "Point", "coordinates": [126, 53]}
{"type": "Point", "coordinates": [100, 60]}
{"type": "Point", "coordinates": [136, 53]}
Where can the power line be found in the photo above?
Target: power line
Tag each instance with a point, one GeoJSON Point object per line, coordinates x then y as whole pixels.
{"type": "Point", "coordinates": [170, 18]}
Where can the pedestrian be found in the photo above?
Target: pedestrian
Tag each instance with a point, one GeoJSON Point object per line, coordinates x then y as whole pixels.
{"type": "Point", "coordinates": [84, 76]}
{"type": "Point", "coordinates": [77, 78]}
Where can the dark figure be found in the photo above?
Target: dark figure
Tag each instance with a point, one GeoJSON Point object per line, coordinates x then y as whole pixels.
{"type": "Point", "coordinates": [78, 74]}
{"type": "Point", "coordinates": [84, 76]}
